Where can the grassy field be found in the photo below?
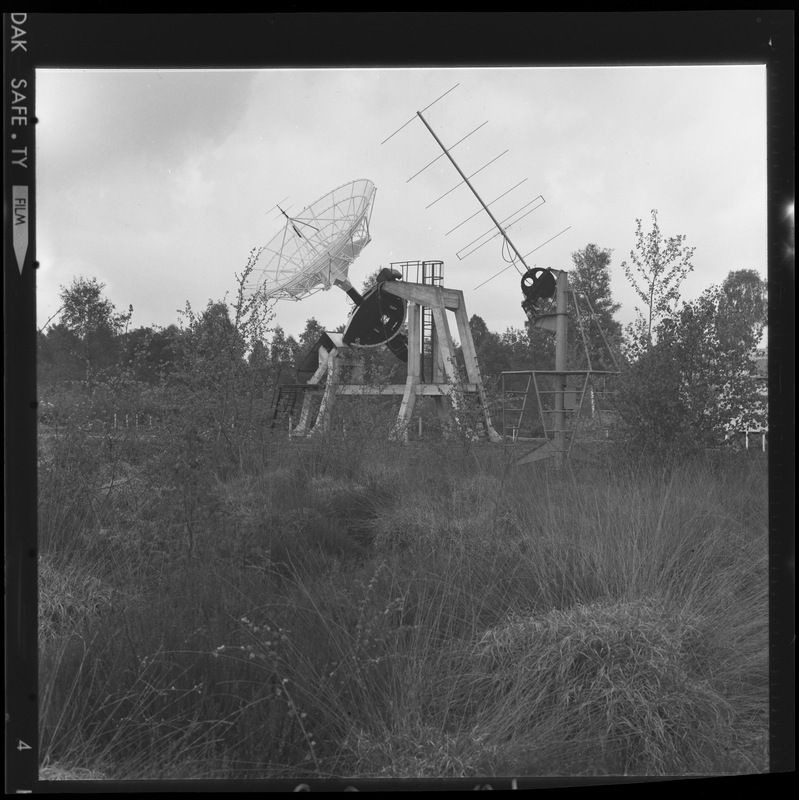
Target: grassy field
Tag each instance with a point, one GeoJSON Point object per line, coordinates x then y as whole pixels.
{"type": "Point", "coordinates": [226, 604]}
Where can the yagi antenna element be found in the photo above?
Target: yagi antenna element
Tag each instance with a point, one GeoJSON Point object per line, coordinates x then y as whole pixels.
{"type": "Point", "coordinates": [413, 118]}
{"type": "Point", "coordinates": [515, 214]}
{"type": "Point", "coordinates": [528, 254]}
{"type": "Point", "coordinates": [472, 216]}
{"type": "Point", "coordinates": [500, 230]}
{"type": "Point", "coordinates": [473, 190]}
{"type": "Point", "coordinates": [451, 148]}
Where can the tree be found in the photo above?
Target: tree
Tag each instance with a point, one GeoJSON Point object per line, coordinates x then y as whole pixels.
{"type": "Point", "coordinates": [166, 349]}
{"type": "Point", "coordinates": [528, 348]}
{"type": "Point", "coordinates": [658, 266]}
{"type": "Point", "coordinates": [479, 329]}
{"type": "Point", "coordinates": [648, 399]}
{"type": "Point", "coordinates": [694, 382]}
{"type": "Point", "coordinates": [310, 336]}
{"type": "Point", "coordinates": [515, 349]}
{"type": "Point", "coordinates": [259, 356]}
{"type": "Point", "coordinates": [492, 355]}
{"type": "Point", "coordinates": [213, 332]}
{"type": "Point", "coordinates": [283, 352]}
{"type": "Point", "coordinates": [58, 356]}
{"type": "Point", "coordinates": [260, 369]}
{"type": "Point", "coordinates": [136, 348]}
{"type": "Point", "coordinates": [742, 309]}
{"type": "Point", "coordinates": [590, 281]}
{"type": "Point", "coordinates": [153, 353]}
{"type": "Point", "coordinates": [213, 384]}
{"type": "Point", "coordinates": [93, 320]}
{"type": "Point", "coordinates": [718, 371]}
{"type": "Point", "coordinates": [85, 311]}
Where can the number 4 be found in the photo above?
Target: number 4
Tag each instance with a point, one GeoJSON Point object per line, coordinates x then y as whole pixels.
{"type": "Point", "coordinates": [22, 745]}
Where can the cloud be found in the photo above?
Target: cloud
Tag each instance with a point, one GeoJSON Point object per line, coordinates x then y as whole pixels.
{"type": "Point", "coordinates": [160, 183]}
{"type": "Point", "coordinates": [91, 122]}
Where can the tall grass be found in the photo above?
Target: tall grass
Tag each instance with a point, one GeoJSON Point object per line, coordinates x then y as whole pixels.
{"type": "Point", "coordinates": [353, 607]}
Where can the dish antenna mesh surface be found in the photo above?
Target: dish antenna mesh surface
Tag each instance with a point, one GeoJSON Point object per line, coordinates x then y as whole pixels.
{"type": "Point", "coordinates": [315, 248]}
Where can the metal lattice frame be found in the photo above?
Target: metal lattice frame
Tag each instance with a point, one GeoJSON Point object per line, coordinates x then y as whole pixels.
{"type": "Point", "coordinates": [554, 418]}
{"type": "Point", "coordinates": [315, 248]}
{"type": "Point", "coordinates": [517, 415]}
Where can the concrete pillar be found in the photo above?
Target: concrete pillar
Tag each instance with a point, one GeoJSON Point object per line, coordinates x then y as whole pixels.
{"type": "Point", "coordinates": [561, 364]}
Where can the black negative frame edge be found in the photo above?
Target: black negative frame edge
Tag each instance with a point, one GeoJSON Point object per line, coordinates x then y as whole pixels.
{"type": "Point", "coordinates": [384, 39]}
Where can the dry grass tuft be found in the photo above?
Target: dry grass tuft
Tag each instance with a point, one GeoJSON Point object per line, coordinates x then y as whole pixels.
{"type": "Point", "coordinates": [69, 597]}
{"type": "Point", "coordinates": [414, 750]}
{"type": "Point", "coordinates": [57, 772]}
{"type": "Point", "coordinates": [618, 687]}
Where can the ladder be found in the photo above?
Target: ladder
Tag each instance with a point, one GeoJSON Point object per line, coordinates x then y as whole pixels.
{"type": "Point", "coordinates": [429, 273]}
{"type": "Point", "coordinates": [571, 406]}
{"type": "Point", "coordinates": [511, 431]}
{"type": "Point", "coordinates": [284, 400]}
{"type": "Point", "coordinates": [432, 274]}
{"type": "Point", "coordinates": [428, 356]}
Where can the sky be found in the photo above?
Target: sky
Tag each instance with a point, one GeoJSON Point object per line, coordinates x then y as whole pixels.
{"type": "Point", "coordinates": [159, 184]}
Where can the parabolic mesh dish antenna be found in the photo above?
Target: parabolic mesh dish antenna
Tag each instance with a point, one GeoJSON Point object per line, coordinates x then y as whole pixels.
{"type": "Point", "coordinates": [316, 247]}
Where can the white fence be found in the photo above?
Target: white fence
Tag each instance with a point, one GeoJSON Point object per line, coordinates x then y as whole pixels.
{"type": "Point", "coordinates": [751, 439]}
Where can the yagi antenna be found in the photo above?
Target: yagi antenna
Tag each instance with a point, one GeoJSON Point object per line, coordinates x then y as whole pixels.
{"type": "Point", "coordinates": [472, 216]}
{"type": "Point", "coordinates": [528, 254]}
{"type": "Point", "coordinates": [497, 233]}
{"type": "Point", "coordinates": [500, 230]}
{"type": "Point", "coordinates": [474, 191]}
{"type": "Point", "coordinates": [466, 180]}
{"type": "Point", "coordinates": [451, 148]}
{"type": "Point", "coordinates": [424, 109]}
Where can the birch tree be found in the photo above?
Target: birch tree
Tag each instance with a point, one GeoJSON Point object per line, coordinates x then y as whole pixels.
{"type": "Point", "coordinates": [657, 268]}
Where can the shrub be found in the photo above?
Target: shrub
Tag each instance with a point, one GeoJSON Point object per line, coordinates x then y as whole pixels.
{"type": "Point", "coordinates": [617, 687]}
{"type": "Point", "coordinates": [432, 610]}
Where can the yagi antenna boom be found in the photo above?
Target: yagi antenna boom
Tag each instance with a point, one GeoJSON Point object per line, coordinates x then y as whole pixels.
{"type": "Point", "coordinates": [424, 109]}
{"type": "Point", "coordinates": [529, 254]}
{"type": "Point", "coordinates": [473, 190]}
{"type": "Point", "coordinates": [453, 146]}
{"type": "Point", "coordinates": [496, 233]}
{"type": "Point", "coordinates": [485, 206]}
{"type": "Point", "coordinates": [466, 180]}
{"type": "Point", "coordinates": [472, 216]}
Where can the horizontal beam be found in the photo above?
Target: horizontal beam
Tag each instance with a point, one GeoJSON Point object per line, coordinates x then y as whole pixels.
{"type": "Point", "coordinates": [424, 294]}
{"type": "Point", "coordinates": [560, 372]}
{"type": "Point", "coordinates": [420, 389]}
